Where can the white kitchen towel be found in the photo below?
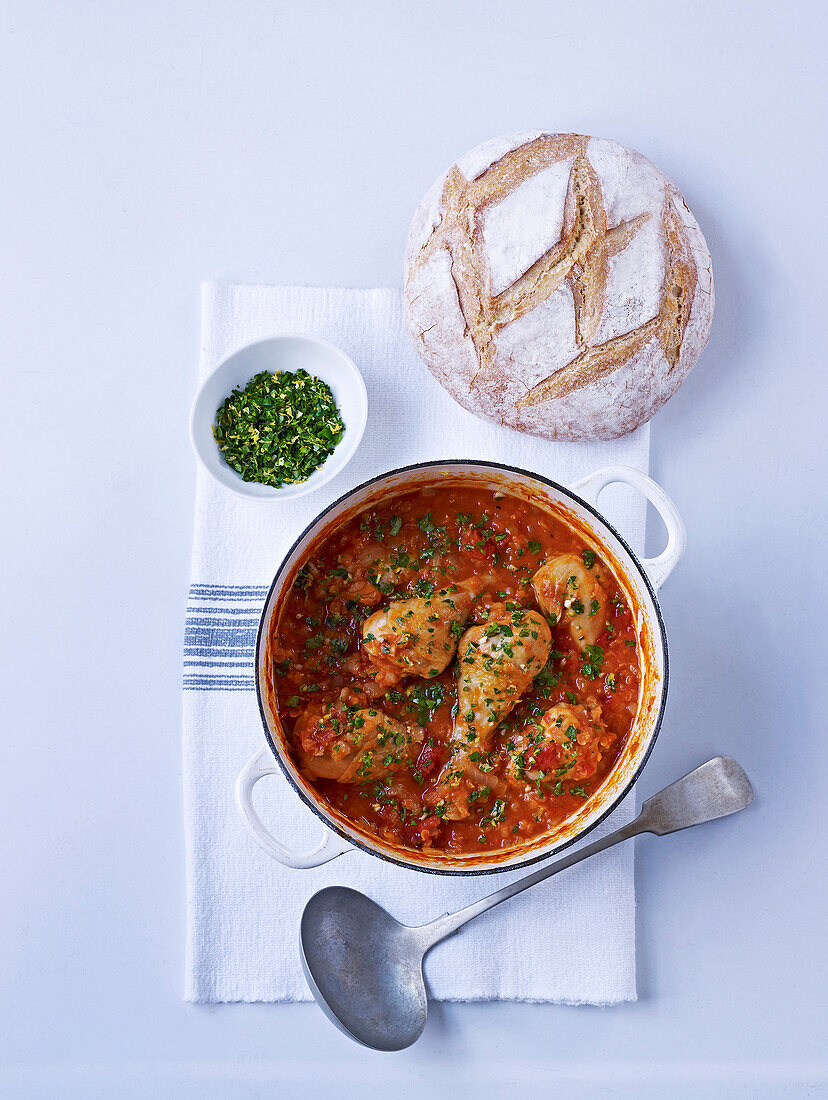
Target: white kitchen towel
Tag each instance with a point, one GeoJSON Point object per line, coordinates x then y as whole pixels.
{"type": "Point", "coordinates": [569, 941]}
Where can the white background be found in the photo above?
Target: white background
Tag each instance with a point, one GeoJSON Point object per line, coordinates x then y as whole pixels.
{"type": "Point", "coordinates": [149, 145]}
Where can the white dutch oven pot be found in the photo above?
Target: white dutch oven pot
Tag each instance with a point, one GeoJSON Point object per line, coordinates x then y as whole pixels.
{"type": "Point", "coordinates": [641, 578]}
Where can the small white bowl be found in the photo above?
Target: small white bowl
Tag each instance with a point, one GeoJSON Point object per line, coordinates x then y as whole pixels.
{"type": "Point", "coordinates": [290, 353]}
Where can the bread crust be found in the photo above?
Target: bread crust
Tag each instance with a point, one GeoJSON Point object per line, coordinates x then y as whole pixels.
{"type": "Point", "coordinates": [558, 284]}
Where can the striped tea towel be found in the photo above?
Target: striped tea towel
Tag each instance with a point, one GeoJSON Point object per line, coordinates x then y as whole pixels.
{"type": "Point", "coordinates": [571, 940]}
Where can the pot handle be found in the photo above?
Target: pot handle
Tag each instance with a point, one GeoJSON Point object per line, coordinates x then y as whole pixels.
{"type": "Point", "coordinates": [329, 847]}
{"type": "Point", "coordinates": [658, 569]}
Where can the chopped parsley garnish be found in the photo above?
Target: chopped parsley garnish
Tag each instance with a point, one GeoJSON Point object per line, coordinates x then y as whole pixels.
{"type": "Point", "coordinates": [425, 699]}
{"type": "Point", "coordinates": [547, 678]}
{"type": "Point", "coordinates": [279, 428]}
{"type": "Point", "coordinates": [302, 579]}
{"type": "Point", "coordinates": [497, 814]}
{"type": "Point", "coordinates": [381, 586]}
{"type": "Point", "coordinates": [593, 656]}
{"type": "Point", "coordinates": [589, 558]}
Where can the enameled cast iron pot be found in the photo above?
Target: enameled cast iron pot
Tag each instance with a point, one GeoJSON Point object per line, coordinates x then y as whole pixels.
{"type": "Point", "coordinates": [641, 578]}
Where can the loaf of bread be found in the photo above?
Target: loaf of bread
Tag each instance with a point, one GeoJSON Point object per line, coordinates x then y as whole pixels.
{"type": "Point", "coordinates": [559, 284]}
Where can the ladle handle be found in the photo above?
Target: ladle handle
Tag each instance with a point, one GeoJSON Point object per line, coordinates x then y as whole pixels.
{"type": "Point", "coordinates": [715, 789]}
{"type": "Point", "coordinates": [438, 929]}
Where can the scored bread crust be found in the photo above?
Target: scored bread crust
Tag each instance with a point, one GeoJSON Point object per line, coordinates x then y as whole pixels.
{"type": "Point", "coordinates": [559, 284]}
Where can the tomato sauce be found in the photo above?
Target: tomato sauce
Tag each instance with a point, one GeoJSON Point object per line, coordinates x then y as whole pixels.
{"type": "Point", "coordinates": [337, 694]}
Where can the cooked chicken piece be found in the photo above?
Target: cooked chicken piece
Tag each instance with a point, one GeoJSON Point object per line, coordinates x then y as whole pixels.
{"type": "Point", "coordinates": [366, 577]}
{"type": "Point", "coordinates": [573, 594]}
{"type": "Point", "coordinates": [380, 578]}
{"type": "Point", "coordinates": [416, 637]}
{"type": "Point", "coordinates": [353, 746]}
{"type": "Point", "coordinates": [567, 744]}
{"type": "Point", "coordinates": [496, 664]}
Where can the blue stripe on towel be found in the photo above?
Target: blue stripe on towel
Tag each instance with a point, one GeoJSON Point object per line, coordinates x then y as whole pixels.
{"type": "Point", "coordinates": [244, 681]}
{"type": "Point", "coordinates": [248, 612]}
{"type": "Point", "coordinates": [208, 685]}
{"type": "Point", "coordinates": [231, 587]}
{"type": "Point", "coordinates": [218, 651]}
{"type": "Point", "coordinates": [211, 664]}
{"type": "Point", "coordinates": [228, 592]}
{"type": "Point", "coordinates": [205, 622]}
{"type": "Point", "coordinates": [218, 635]}
{"type": "Point", "coordinates": [219, 639]}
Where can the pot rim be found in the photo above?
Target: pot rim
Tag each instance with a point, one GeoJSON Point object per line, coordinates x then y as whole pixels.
{"type": "Point", "coordinates": [469, 869]}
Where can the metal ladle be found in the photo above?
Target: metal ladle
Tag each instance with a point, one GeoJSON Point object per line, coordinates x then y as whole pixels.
{"type": "Point", "coordinates": [365, 969]}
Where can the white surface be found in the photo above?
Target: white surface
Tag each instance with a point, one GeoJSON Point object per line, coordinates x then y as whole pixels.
{"type": "Point", "coordinates": [244, 909]}
{"type": "Point", "coordinates": [150, 145]}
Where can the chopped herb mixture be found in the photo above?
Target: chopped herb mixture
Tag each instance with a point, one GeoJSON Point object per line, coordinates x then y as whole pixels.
{"type": "Point", "coordinates": [279, 428]}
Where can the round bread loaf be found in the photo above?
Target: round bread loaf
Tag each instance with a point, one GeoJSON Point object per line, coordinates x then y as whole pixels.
{"type": "Point", "coordinates": [559, 284]}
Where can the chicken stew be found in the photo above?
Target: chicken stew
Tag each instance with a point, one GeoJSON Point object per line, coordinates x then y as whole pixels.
{"type": "Point", "coordinates": [455, 670]}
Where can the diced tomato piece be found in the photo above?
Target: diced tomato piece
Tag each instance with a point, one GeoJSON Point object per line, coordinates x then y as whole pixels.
{"type": "Point", "coordinates": [321, 733]}
{"type": "Point", "coordinates": [428, 759]}
{"type": "Point", "coordinates": [547, 757]}
{"type": "Point", "coordinates": [486, 552]}
{"type": "Point", "coordinates": [430, 829]}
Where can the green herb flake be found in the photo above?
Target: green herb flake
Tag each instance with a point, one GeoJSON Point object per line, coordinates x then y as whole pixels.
{"type": "Point", "coordinates": [593, 657]}
{"type": "Point", "coordinates": [425, 699]}
{"type": "Point", "coordinates": [279, 428]}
